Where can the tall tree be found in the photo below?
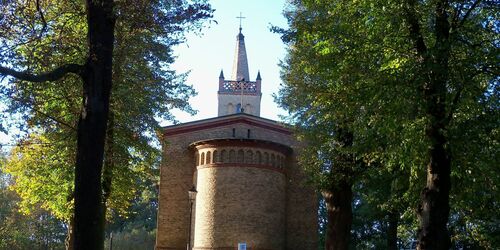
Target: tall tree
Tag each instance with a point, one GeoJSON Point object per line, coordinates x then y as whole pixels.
{"type": "Point", "coordinates": [148, 90]}
{"type": "Point", "coordinates": [96, 77]}
{"type": "Point", "coordinates": [328, 158]}
{"type": "Point", "coordinates": [407, 70]}
{"type": "Point", "coordinates": [95, 71]}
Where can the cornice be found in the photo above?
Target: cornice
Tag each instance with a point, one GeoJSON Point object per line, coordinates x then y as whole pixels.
{"type": "Point", "coordinates": [225, 121]}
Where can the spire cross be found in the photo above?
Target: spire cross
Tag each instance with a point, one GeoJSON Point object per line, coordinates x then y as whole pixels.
{"type": "Point", "coordinates": [240, 17]}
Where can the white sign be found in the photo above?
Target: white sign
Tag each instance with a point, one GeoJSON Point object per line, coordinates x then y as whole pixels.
{"type": "Point", "coordinates": [242, 246]}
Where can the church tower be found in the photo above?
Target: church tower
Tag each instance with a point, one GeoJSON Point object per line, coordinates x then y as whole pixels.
{"type": "Point", "coordinates": [250, 191]}
{"type": "Point", "coordinates": [239, 94]}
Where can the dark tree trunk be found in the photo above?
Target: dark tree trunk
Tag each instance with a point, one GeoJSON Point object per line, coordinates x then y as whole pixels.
{"type": "Point", "coordinates": [392, 230]}
{"type": "Point", "coordinates": [89, 216]}
{"type": "Point", "coordinates": [339, 211]}
{"type": "Point", "coordinates": [109, 157]}
{"type": "Point", "coordinates": [338, 198]}
{"type": "Point", "coordinates": [107, 174]}
{"type": "Point", "coordinates": [434, 208]}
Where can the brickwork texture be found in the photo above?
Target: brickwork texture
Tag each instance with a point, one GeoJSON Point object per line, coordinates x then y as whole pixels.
{"type": "Point", "coordinates": [254, 192]}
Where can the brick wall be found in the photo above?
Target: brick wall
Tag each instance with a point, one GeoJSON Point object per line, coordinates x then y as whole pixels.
{"type": "Point", "coordinates": [268, 209]}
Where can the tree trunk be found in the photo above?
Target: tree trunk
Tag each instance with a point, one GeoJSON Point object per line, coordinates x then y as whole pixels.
{"type": "Point", "coordinates": [70, 236]}
{"type": "Point", "coordinates": [107, 175]}
{"type": "Point", "coordinates": [109, 157]}
{"type": "Point", "coordinates": [392, 230]}
{"type": "Point", "coordinates": [339, 211]}
{"type": "Point", "coordinates": [97, 81]}
{"type": "Point", "coordinates": [434, 208]}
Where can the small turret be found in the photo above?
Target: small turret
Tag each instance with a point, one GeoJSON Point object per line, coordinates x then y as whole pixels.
{"type": "Point", "coordinates": [221, 79]}
{"type": "Point", "coordinates": [258, 82]}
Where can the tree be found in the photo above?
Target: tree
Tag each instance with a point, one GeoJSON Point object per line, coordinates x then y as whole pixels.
{"type": "Point", "coordinates": [95, 71]}
{"type": "Point", "coordinates": [409, 71]}
{"type": "Point", "coordinates": [474, 192]}
{"type": "Point", "coordinates": [96, 76]}
{"type": "Point", "coordinates": [328, 158]}
{"type": "Point", "coordinates": [148, 90]}
{"type": "Point", "coordinates": [39, 230]}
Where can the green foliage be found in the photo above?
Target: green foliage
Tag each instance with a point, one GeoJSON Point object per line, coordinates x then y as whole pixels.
{"type": "Point", "coordinates": [43, 169]}
{"type": "Point", "coordinates": [138, 230]}
{"type": "Point", "coordinates": [356, 66]}
{"type": "Point", "coordinates": [51, 36]}
{"type": "Point", "coordinates": [378, 194]}
{"type": "Point", "coordinates": [39, 230]}
{"type": "Point", "coordinates": [144, 90]}
{"type": "Point", "coordinates": [475, 181]}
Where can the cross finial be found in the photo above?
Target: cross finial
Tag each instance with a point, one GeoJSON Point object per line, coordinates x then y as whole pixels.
{"type": "Point", "coordinates": [240, 17]}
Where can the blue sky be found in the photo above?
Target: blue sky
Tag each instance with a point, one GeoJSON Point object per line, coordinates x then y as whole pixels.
{"type": "Point", "coordinates": [206, 54]}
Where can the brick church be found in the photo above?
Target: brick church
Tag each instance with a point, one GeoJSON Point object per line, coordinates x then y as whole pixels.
{"type": "Point", "coordinates": [245, 188]}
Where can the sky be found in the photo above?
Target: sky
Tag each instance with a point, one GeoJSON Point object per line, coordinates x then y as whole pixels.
{"type": "Point", "coordinates": [206, 54]}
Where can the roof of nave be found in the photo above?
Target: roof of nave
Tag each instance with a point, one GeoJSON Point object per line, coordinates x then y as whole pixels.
{"type": "Point", "coordinates": [221, 121]}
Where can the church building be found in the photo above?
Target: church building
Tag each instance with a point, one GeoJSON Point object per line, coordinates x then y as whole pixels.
{"type": "Point", "coordinates": [245, 188]}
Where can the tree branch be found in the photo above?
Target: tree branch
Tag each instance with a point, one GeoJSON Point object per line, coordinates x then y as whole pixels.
{"type": "Point", "coordinates": [53, 75]}
{"type": "Point", "coordinates": [456, 15]}
{"type": "Point", "coordinates": [454, 104]}
{"type": "Point", "coordinates": [54, 119]}
{"type": "Point", "coordinates": [467, 14]}
{"type": "Point", "coordinates": [41, 17]}
{"type": "Point", "coordinates": [415, 32]}
{"type": "Point", "coordinates": [32, 107]}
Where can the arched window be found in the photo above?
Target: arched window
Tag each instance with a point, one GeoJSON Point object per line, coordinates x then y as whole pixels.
{"type": "Point", "coordinates": [238, 108]}
{"type": "Point", "coordinates": [216, 156]}
{"type": "Point", "coordinates": [266, 158]}
{"type": "Point", "coordinates": [232, 155]}
{"type": "Point", "coordinates": [241, 156]}
{"type": "Point", "coordinates": [209, 156]}
{"type": "Point", "coordinates": [249, 156]}
{"type": "Point", "coordinates": [202, 159]}
{"type": "Point", "coordinates": [223, 156]}
{"type": "Point", "coordinates": [273, 160]}
{"type": "Point", "coordinates": [230, 108]}
{"type": "Point", "coordinates": [258, 157]}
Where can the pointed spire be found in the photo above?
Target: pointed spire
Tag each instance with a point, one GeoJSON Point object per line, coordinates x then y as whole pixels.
{"type": "Point", "coordinates": [240, 63]}
{"type": "Point", "coordinates": [258, 76]}
{"type": "Point", "coordinates": [221, 74]}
